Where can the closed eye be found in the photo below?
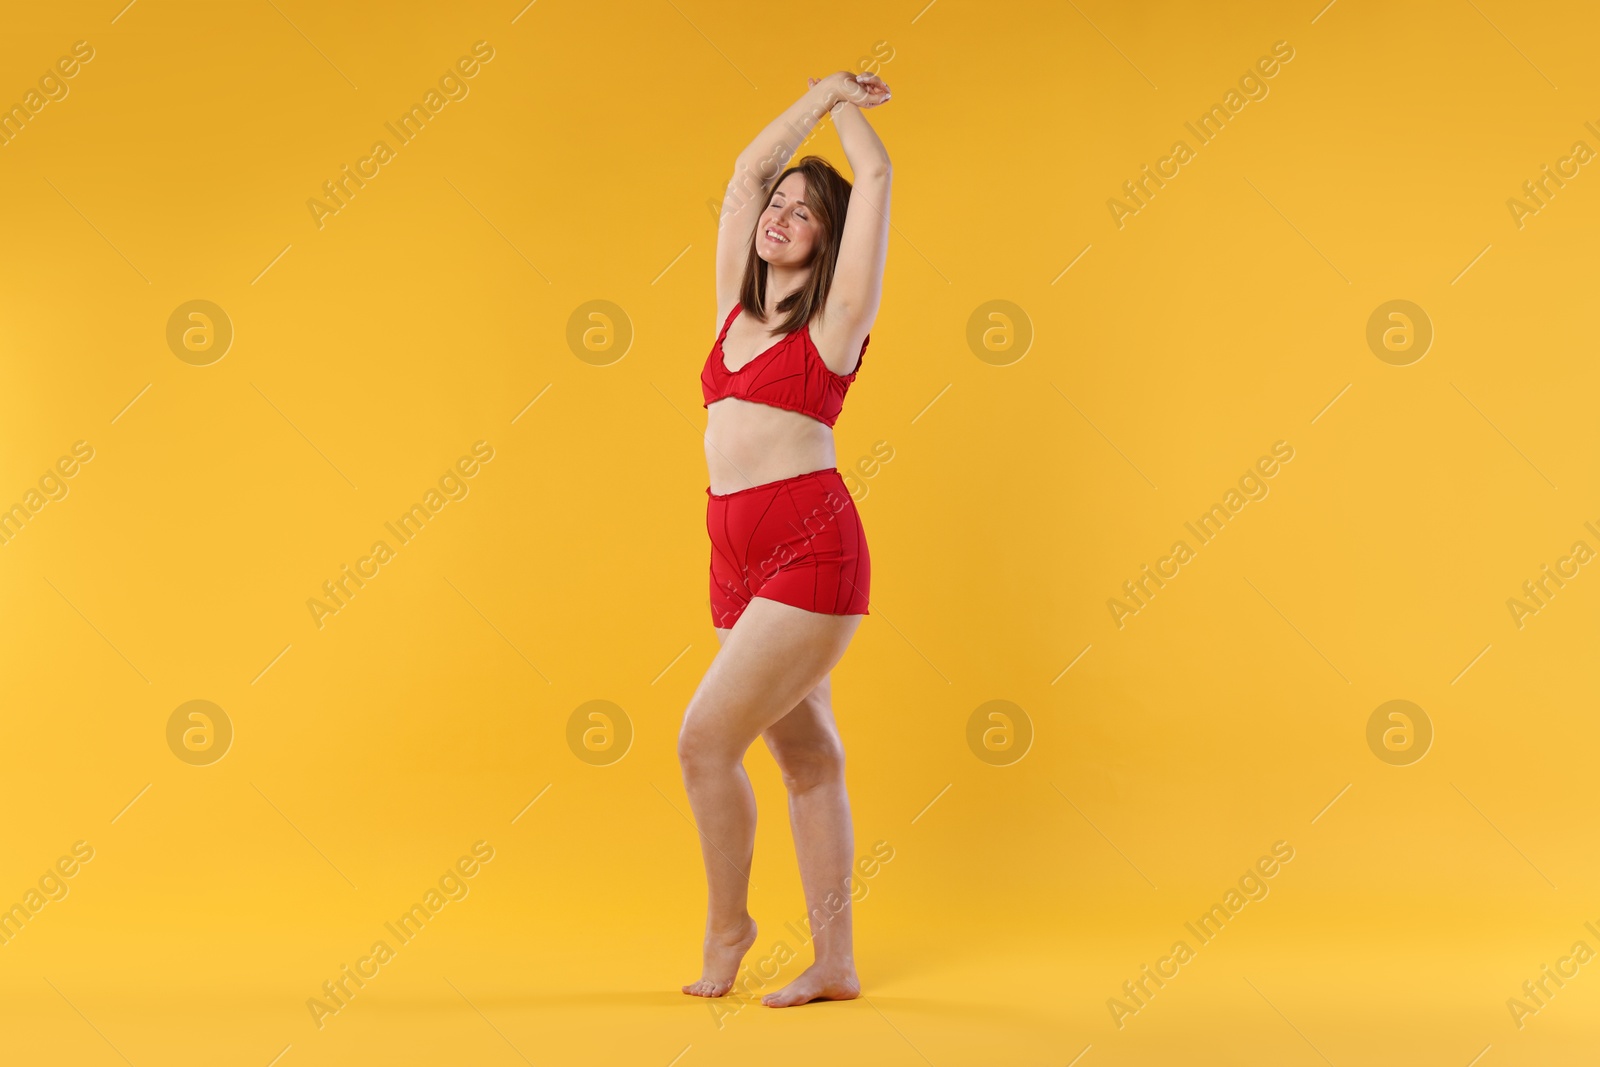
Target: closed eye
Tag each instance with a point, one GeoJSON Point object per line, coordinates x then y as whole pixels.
{"type": "Point", "coordinates": [799, 212]}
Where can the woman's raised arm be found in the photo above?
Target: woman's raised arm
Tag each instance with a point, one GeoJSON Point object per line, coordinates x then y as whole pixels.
{"type": "Point", "coordinates": [755, 168]}
{"type": "Point", "coordinates": [858, 276]}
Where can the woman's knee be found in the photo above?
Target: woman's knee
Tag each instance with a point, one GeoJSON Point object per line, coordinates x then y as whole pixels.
{"type": "Point", "coordinates": [810, 763]}
{"type": "Point", "coordinates": [702, 749]}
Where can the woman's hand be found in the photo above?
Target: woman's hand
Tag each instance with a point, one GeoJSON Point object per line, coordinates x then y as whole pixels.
{"type": "Point", "coordinates": [862, 90]}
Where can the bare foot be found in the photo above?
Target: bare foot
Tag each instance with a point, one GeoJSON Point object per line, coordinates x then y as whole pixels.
{"type": "Point", "coordinates": [816, 983]}
{"type": "Point", "coordinates": [722, 955]}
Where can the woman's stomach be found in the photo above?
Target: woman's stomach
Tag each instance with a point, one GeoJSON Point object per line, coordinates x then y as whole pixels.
{"type": "Point", "coordinates": [751, 444]}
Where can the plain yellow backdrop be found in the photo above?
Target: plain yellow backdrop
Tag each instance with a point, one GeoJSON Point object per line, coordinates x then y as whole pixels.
{"type": "Point", "coordinates": [1061, 386]}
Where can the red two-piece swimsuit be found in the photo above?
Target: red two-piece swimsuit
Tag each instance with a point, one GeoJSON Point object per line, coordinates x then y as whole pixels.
{"type": "Point", "coordinates": [797, 540]}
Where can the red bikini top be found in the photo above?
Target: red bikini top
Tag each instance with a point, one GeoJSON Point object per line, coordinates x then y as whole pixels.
{"type": "Point", "coordinates": [789, 375]}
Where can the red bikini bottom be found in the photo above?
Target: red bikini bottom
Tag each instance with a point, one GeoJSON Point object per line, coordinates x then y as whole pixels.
{"type": "Point", "coordinates": [798, 541]}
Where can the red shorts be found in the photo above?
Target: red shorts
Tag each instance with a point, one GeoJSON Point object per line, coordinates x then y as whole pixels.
{"type": "Point", "coordinates": [798, 541]}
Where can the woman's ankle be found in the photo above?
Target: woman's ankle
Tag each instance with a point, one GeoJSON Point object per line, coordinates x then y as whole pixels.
{"type": "Point", "coordinates": [732, 929]}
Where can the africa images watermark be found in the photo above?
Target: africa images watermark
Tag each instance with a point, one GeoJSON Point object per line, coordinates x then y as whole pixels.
{"type": "Point", "coordinates": [1537, 991]}
{"type": "Point", "coordinates": [1252, 886]}
{"type": "Point", "coordinates": [865, 468]}
{"type": "Point", "coordinates": [756, 975]}
{"type": "Point", "coordinates": [452, 486]}
{"type": "Point", "coordinates": [52, 886]}
{"type": "Point", "coordinates": [1539, 190]}
{"type": "Point", "coordinates": [1539, 591]}
{"type": "Point", "coordinates": [787, 552]}
{"type": "Point", "coordinates": [1252, 84]}
{"type": "Point", "coordinates": [339, 191]}
{"type": "Point", "coordinates": [52, 486]}
{"type": "Point", "coordinates": [452, 886]}
{"type": "Point", "coordinates": [1252, 486]}
{"type": "Point", "coordinates": [52, 87]}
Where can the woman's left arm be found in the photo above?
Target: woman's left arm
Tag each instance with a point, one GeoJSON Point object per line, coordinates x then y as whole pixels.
{"type": "Point", "coordinates": [858, 276]}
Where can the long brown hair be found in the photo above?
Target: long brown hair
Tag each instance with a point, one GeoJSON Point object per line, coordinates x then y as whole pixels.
{"type": "Point", "coordinates": [828, 197]}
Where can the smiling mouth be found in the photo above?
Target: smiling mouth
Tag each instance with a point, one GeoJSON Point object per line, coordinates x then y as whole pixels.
{"type": "Point", "coordinates": [775, 237]}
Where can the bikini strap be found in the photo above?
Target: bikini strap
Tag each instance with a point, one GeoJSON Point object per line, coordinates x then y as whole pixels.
{"type": "Point", "coordinates": [729, 320]}
{"type": "Point", "coordinates": [861, 357]}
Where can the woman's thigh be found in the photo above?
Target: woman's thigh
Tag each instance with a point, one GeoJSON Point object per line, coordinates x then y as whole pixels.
{"type": "Point", "coordinates": [769, 662]}
{"type": "Point", "coordinates": [809, 724]}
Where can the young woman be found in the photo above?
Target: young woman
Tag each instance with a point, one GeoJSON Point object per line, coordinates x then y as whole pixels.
{"type": "Point", "coordinates": [799, 276]}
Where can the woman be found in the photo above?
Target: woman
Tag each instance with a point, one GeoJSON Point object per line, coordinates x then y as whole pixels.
{"type": "Point", "coordinates": [799, 277]}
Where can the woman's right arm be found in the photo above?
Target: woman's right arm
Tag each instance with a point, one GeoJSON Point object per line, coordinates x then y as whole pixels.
{"type": "Point", "coordinates": [750, 187]}
{"type": "Point", "coordinates": [773, 146]}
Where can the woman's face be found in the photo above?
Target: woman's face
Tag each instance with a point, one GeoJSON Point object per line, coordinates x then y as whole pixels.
{"type": "Point", "coordinates": [788, 229]}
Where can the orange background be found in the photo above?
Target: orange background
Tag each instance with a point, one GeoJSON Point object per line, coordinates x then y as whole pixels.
{"type": "Point", "coordinates": [1060, 395]}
